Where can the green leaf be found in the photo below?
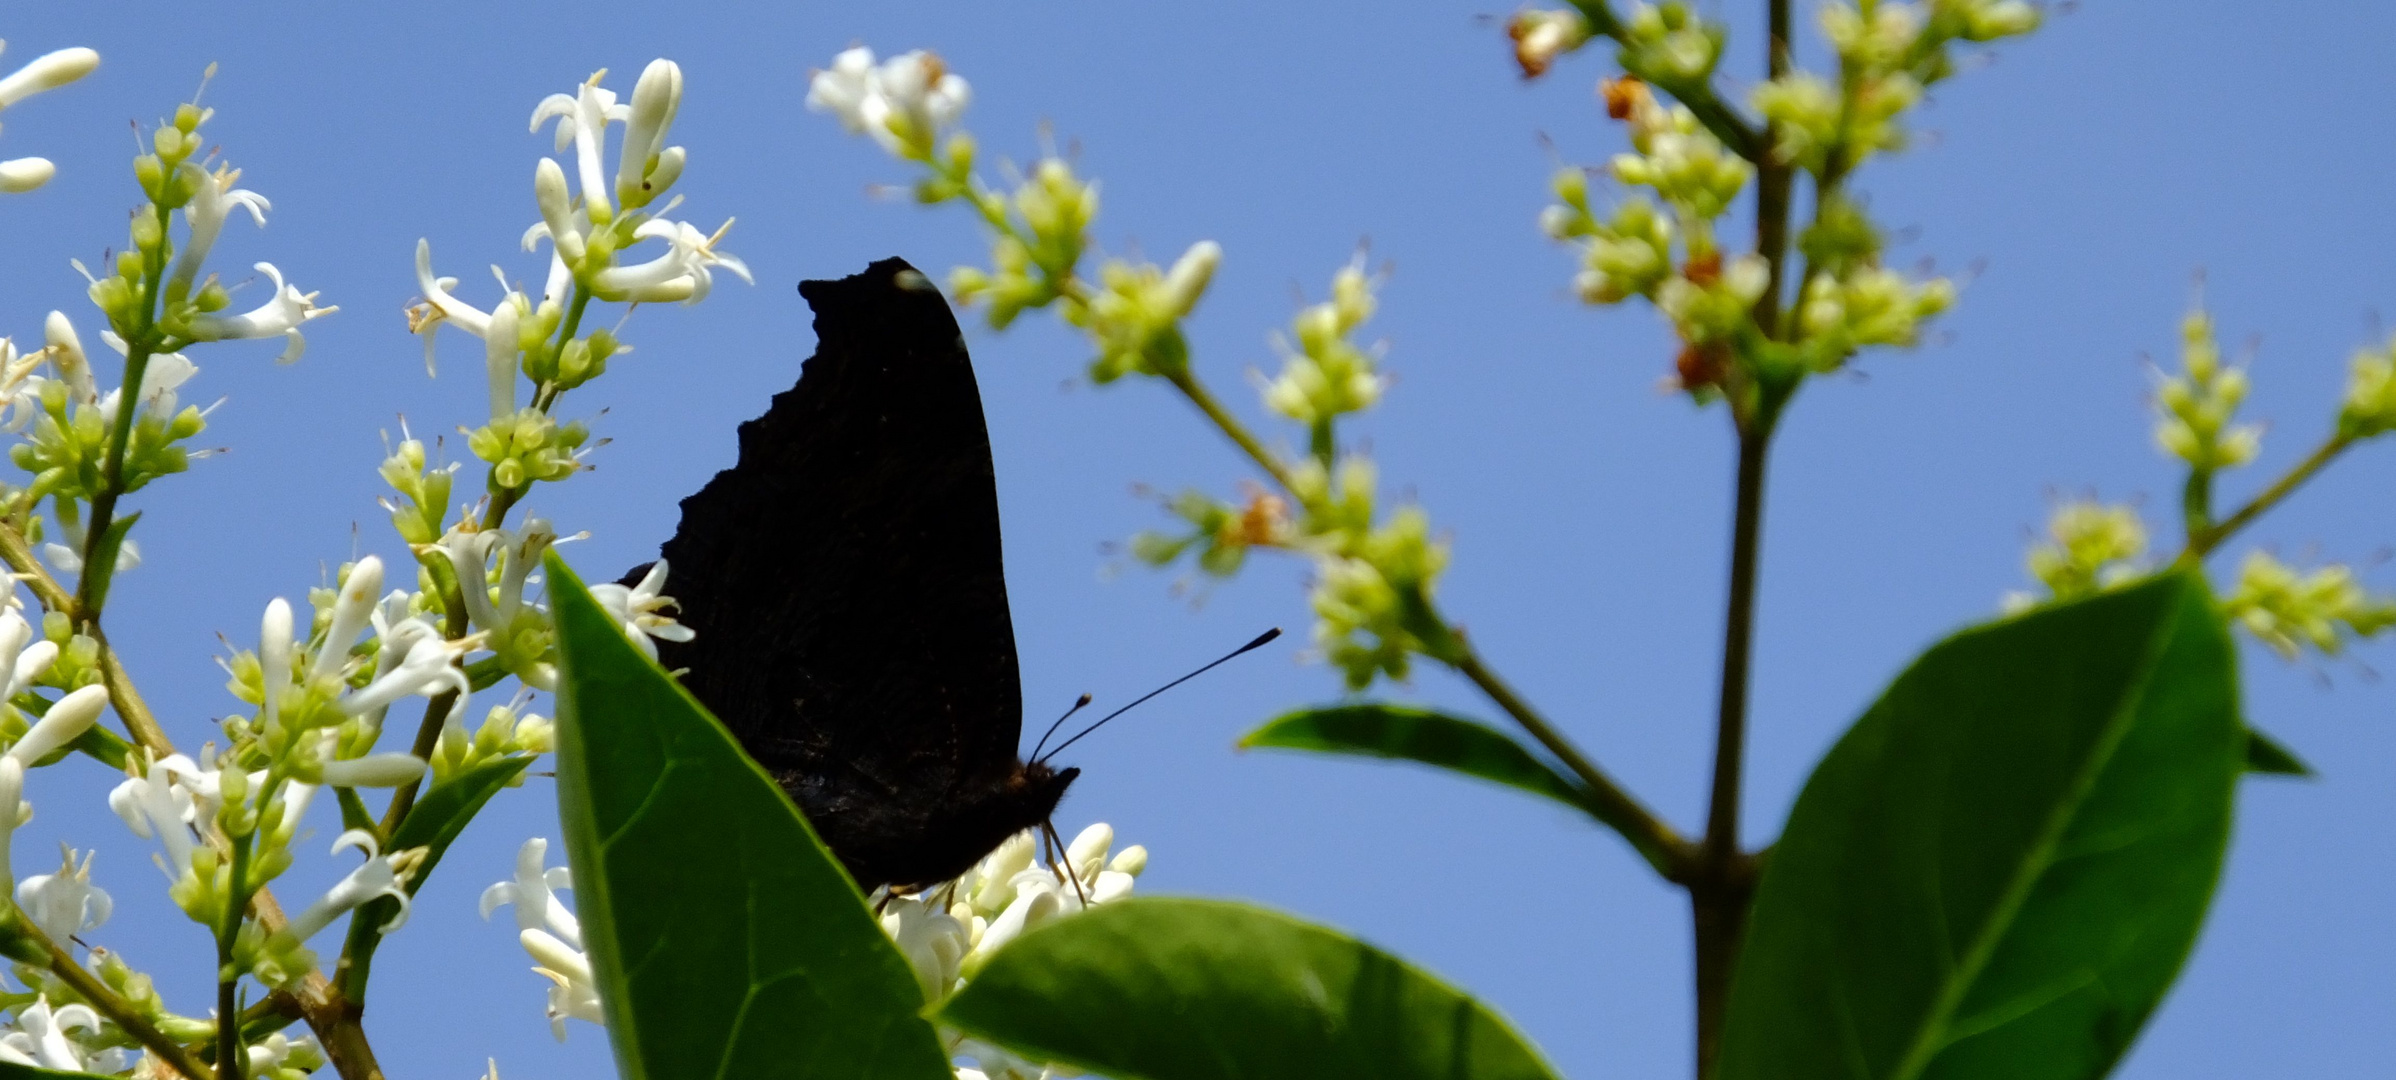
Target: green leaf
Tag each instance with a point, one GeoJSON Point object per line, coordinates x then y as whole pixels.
{"type": "Point", "coordinates": [726, 939]}
{"type": "Point", "coordinates": [2000, 869]}
{"type": "Point", "coordinates": [1148, 989]}
{"type": "Point", "coordinates": [2268, 756]}
{"type": "Point", "coordinates": [433, 824]}
{"type": "Point", "coordinates": [105, 746]}
{"type": "Point", "coordinates": [12, 1071]}
{"type": "Point", "coordinates": [101, 567]}
{"type": "Point", "coordinates": [1378, 729]}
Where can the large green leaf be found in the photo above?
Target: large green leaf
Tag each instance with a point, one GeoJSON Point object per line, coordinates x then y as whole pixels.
{"type": "Point", "coordinates": [1378, 729]}
{"type": "Point", "coordinates": [1999, 870]}
{"type": "Point", "coordinates": [727, 942]}
{"type": "Point", "coordinates": [1150, 989]}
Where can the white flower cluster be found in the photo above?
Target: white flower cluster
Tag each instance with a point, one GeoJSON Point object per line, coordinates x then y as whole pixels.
{"type": "Point", "coordinates": [60, 1038]}
{"type": "Point", "coordinates": [322, 679]}
{"type": "Point", "coordinates": [946, 932]}
{"type": "Point", "coordinates": [547, 929]}
{"type": "Point", "coordinates": [903, 103]}
{"type": "Point", "coordinates": [588, 224]}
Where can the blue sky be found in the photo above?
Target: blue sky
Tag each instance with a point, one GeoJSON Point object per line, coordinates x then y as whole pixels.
{"type": "Point", "coordinates": [2079, 181]}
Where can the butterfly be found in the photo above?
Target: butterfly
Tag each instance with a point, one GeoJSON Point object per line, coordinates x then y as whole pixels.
{"type": "Point", "coordinates": [844, 583]}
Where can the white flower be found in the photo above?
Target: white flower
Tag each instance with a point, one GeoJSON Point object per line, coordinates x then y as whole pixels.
{"type": "Point", "coordinates": [445, 307]}
{"type": "Point", "coordinates": [20, 388]}
{"type": "Point", "coordinates": [274, 661]}
{"type": "Point", "coordinates": [272, 1051]}
{"type": "Point", "coordinates": [213, 200]}
{"type": "Point", "coordinates": [638, 609]}
{"type": "Point", "coordinates": [66, 353]}
{"type": "Point", "coordinates": [66, 903]}
{"type": "Point", "coordinates": [534, 894]}
{"type": "Point", "coordinates": [427, 668]}
{"type": "Point", "coordinates": [987, 886]}
{"type": "Point", "coordinates": [548, 930]}
{"type": "Point", "coordinates": [40, 1038]}
{"type": "Point", "coordinates": [684, 272]}
{"type": "Point", "coordinates": [841, 89]}
{"type": "Point", "coordinates": [582, 119]}
{"type": "Point", "coordinates": [499, 360]}
{"type": "Point", "coordinates": [442, 306]}
{"type": "Point", "coordinates": [903, 104]}
{"type": "Point", "coordinates": [163, 802]}
{"type": "Point", "coordinates": [397, 633]}
{"type": "Point", "coordinates": [371, 770]}
{"type": "Point", "coordinates": [933, 941]}
{"type": "Point", "coordinates": [281, 315]}
{"type": "Point", "coordinates": [65, 721]}
{"type": "Point", "coordinates": [655, 100]}
{"type": "Point", "coordinates": [22, 663]}
{"type": "Point", "coordinates": [13, 809]}
{"type": "Point", "coordinates": [1006, 894]}
{"type": "Point", "coordinates": [382, 875]}
{"type": "Point", "coordinates": [574, 991]}
{"type": "Point", "coordinates": [352, 610]}
{"type": "Point", "coordinates": [558, 221]}
{"type": "Point", "coordinates": [1036, 901]}
{"type": "Point", "coordinates": [29, 666]}
{"type": "Point", "coordinates": [165, 373]}
{"type": "Point", "coordinates": [48, 71]}
{"type": "Point", "coordinates": [20, 175]}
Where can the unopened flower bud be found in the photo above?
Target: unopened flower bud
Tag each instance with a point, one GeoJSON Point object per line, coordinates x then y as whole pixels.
{"type": "Point", "coordinates": [19, 175]}
{"type": "Point", "coordinates": [48, 71]}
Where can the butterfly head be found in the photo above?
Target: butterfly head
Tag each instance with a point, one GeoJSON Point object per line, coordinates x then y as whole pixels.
{"type": "Point", "coordinates": [1034, 791]}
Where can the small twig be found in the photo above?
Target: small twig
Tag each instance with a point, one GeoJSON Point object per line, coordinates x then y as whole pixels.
{"type": "Point", "coordinates": [2202, 543]}
{"type": "Point", "coordinates": [428, 736]}
{"type": "Point", "coordinates": [1655, 841]}
{"type": "Point", "coordinates": [140, 723]}
{"type": "Point", "coordinates": [100, 997]}
{"type": "Point", "coordinates": [1230, 426]}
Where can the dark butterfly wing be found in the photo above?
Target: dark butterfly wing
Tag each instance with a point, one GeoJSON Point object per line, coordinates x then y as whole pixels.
{"type": "Point", "coordinates": [844, 583]}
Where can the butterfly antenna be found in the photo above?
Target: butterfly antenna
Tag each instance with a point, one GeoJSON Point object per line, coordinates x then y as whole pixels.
{"type": "Point", "coordinates": [1260, 642]}
{"type": "Point", "coordinates": [1052, 728]}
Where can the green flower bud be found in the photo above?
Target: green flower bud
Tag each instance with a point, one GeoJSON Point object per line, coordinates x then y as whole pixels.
{"type": "Point", "coordinates": [2093, 547]}
{"type": "Point", "coordinates": [2289, 610]}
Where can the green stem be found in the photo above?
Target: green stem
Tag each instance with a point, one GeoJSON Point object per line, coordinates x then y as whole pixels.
{"type": "Point", "coordinates": [1774, 180]}
{"type": "Point", "coordinates": [1725, 879]}
{"type": "Point", "coordinates": [1718, 116]}
{"type": "Point", "coordinates": [270, 1014]}
{"type": "Point", "coordinates": [2196, 504]}
{"type": "Point", "coordinates": [2202, 543]}
{"type": "Point", "coordinates": [230, 1059]}
{"type": "Point", "coordinates": [1656, 841]}
{"type": "Point", "coordinates": [1230, 426]}
{"type": "Point", "coordinates": [1738, 641]}
{"type": "Point", "coordinates": [139, 344]}
{"type": "Point", "coordinates": [112, 478]}
{"type": "Point", "coordinates": [357, 952]}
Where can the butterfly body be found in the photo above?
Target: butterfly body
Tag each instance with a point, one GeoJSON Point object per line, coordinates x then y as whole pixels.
{"type": "Point", "coordinates": [844, 582]}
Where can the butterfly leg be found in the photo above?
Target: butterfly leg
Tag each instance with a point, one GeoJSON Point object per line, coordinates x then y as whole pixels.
{"type": "Point", "coordinates": [1059, 857]}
